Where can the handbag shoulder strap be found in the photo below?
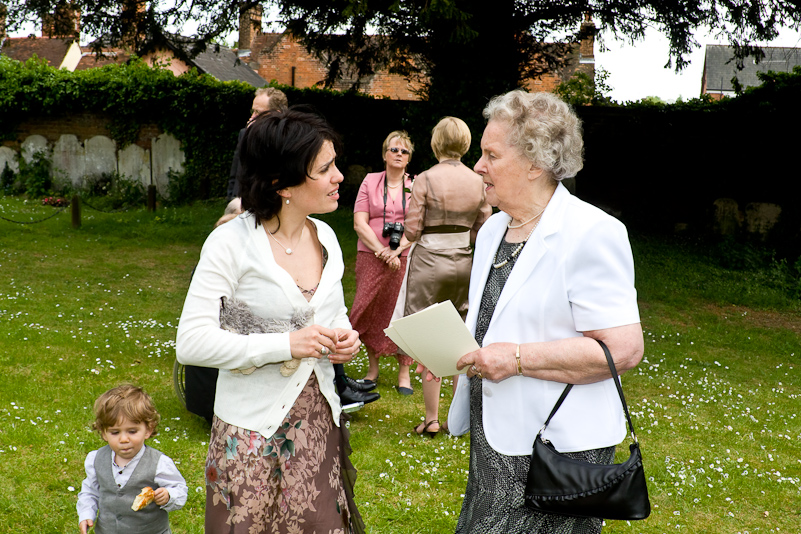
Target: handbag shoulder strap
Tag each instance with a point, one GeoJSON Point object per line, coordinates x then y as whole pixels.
{"type": "Point", "coordinates": [616, 379]}
{"type": "Point", "coordinates": [556, 406]}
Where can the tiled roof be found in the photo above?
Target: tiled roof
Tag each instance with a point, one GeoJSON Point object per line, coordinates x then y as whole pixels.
{"type": "Point", "coordinates": [265, 42]}
{"type": "Point", "coordinates": [109, 57]}
{"type": "Point", "coordinates": [54, 50]}
{"type": "Point", "coordinates": [223, 64]}
{"type": "Point", "coordinates": [720, 66]}
{"type": "Point", "coordinates": [218, 61]}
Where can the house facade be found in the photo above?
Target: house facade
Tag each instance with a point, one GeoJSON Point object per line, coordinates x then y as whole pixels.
{"type": "Point", "coordinates": [61, 53]}
{"type": "Point", "coordinates": [281, 57]}
{"type": "Point", "coordinates": [260, 57]}
{"type": "Point", "coordinates": [59, 45]}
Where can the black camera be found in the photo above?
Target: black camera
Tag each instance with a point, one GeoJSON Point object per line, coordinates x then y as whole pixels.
{"type": "Point", "coordinates": [394, 231]}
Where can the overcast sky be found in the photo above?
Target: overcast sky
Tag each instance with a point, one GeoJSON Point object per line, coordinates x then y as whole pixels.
{"type": "Point", "coordinates": [635, 71]}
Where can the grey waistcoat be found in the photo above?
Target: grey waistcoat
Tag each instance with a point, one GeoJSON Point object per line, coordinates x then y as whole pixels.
{"type": "Point", "coordinates": [115, 515]}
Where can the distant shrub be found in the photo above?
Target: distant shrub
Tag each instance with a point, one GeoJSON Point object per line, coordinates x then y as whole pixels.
{"type": "Point", "coordinates": [36, 175]}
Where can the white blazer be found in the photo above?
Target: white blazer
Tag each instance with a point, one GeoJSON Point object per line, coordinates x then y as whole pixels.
{"type": "Point", "coordinates": [575, 274]}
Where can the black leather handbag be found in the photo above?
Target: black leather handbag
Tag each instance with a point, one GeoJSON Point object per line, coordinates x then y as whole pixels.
{"type": "Point", "coordinates": [558, 484]}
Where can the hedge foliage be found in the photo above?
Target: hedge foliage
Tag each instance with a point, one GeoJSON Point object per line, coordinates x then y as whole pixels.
{"type": "Point", "coordinates": [204, 114]}
{"type": "Point", "coordinates": [198, 110]}
{"type": "Point", "coordinates": [698, 136]}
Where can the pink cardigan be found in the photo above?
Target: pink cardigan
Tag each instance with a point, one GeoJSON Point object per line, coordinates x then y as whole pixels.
{"type": "Point", "coordinates": [371, 200]}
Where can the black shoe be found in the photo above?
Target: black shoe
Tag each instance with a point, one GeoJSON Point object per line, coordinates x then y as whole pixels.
{"type": "Point", "coordinates": [350, 396]}
{"type": "Point", "coordinates": [359, 385]}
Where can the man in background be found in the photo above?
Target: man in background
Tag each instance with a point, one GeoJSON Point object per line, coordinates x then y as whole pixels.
{"type": "Point", "coordinates": [266, 99]}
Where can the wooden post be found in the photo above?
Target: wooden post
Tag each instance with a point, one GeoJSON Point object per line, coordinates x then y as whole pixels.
{"type": "Point", "coordinates": [76, 211]}
{"type": "Point", "coordinates": [151, 198]}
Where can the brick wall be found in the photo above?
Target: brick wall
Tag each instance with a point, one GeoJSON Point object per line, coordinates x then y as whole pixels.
{"type": "Point", "coordinates": [543, 84]}
{"type": "Point", "coordinates": [549, 82]}
{"type": "Point", "coordinates": [394, 86]}
{"type": "Point", "coordinates": [288, 63]}
{"type": "Point", "coordinates": [277, 63]}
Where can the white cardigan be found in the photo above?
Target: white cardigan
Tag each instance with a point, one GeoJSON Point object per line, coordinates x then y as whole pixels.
{"type": "Point", "coordinates": [237, 262]}
{"type": "Point", "coordinates": [575, 274]}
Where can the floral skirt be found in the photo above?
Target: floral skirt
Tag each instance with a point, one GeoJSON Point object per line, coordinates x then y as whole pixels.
{"type": "Point", "coordinates": [299, 480]}
{"type": "Point", "coordinates": [377, 290]}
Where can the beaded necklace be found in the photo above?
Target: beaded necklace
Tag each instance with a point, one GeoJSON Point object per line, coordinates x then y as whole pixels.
{"type": "Point", "coordinates": [516, 251]}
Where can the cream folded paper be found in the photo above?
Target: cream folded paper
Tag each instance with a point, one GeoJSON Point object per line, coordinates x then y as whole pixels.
{"type": "Point", "coordinates": [435, 337]}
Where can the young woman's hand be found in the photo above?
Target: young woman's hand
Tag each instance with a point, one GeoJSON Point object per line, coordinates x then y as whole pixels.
{"type": "Point", "coordinates": [314, 341]}
{"type": "Point", "coordinates": [347, 346]}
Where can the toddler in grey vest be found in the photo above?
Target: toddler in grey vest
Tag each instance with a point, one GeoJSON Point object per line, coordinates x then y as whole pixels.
{"type": "Point", "coordinates": [125, 417]}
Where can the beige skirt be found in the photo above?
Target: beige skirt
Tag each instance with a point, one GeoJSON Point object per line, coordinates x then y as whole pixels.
{"type": "Point", "coordinates": [435, 273]}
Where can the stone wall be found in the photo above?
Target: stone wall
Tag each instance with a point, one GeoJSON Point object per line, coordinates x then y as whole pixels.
{"type": "Point", "coordinates": [81, 148]}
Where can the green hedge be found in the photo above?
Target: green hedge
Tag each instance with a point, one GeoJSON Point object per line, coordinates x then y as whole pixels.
{"type": "Point", "coordinates": [196, 109]}
{"type": "Point", "coordinates": [657, 164]}
{"type": "Point", "coordinates": [205, 115]}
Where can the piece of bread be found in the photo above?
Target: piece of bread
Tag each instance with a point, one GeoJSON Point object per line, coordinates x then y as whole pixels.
{"type": "Point", "coordinates": [145, 497]}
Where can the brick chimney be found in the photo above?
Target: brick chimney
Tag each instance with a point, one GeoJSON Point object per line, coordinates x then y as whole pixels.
{"type": "Point", "coordinates": [249, 27]}
{"type": "Point", "coordinates": [587, 46]}
{"type": "Point", "coordinates": [3, 14]}
{"type": "Point", "coordinates": [131, 17]}
{"type": "Point", "coordinates": [65, 21]}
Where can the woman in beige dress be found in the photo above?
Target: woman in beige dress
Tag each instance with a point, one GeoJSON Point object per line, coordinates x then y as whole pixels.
{"type": "Point", "coordinates": [446, 210]}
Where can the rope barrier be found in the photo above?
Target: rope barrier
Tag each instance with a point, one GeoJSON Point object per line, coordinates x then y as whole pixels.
{"type": "Point", "coordinates": [151, 206]}
{"type": "Point", "coordinates": [35, 222]}
{"type": "Point", "coordinates": [85, 203]}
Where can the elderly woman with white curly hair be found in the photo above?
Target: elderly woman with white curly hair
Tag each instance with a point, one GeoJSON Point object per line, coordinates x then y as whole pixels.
{"type": "Point", "coordinates": [551, 275]}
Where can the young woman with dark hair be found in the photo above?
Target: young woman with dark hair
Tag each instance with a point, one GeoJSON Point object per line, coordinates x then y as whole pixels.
{"type": "Point", "coordinates": [277, 457]}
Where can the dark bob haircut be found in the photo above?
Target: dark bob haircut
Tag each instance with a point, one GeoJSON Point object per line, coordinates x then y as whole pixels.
{"type": "Point", "coordinates": [277, 152]}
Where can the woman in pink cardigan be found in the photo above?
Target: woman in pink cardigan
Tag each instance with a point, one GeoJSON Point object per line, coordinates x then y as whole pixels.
{"type": "Point", "coordinates": [382, 200]}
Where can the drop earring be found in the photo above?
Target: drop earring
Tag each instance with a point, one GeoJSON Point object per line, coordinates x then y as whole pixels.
{"type": "Point", "coordinates": [287, 202]}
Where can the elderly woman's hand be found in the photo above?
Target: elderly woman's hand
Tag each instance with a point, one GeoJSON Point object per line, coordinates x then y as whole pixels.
{"type": "Point", "coordinates": [313, 341]}
{"type": "Point", "coordinates": [347, 346]}
{"type": "Point", "coordinates": [493, 362]}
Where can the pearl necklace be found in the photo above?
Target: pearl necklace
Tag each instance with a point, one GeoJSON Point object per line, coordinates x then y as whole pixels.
{"type": "Point", "coordinates": [517, 250]}
{"type": "Point", "coordinates": [287, 250]}
{"type": "Point", "coordinates": [522, 224]}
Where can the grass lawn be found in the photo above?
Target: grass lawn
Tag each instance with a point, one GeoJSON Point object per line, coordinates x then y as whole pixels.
{"type": "Point", "coordinates": [715, 400]}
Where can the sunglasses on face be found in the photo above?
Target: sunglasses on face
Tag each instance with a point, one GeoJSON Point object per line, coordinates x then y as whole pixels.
{"type": "Point", "coordinates": [395, 150]}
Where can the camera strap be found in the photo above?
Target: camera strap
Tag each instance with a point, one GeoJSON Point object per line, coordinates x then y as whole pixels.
{"type": "Point", "coordinates": [403, 197]}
